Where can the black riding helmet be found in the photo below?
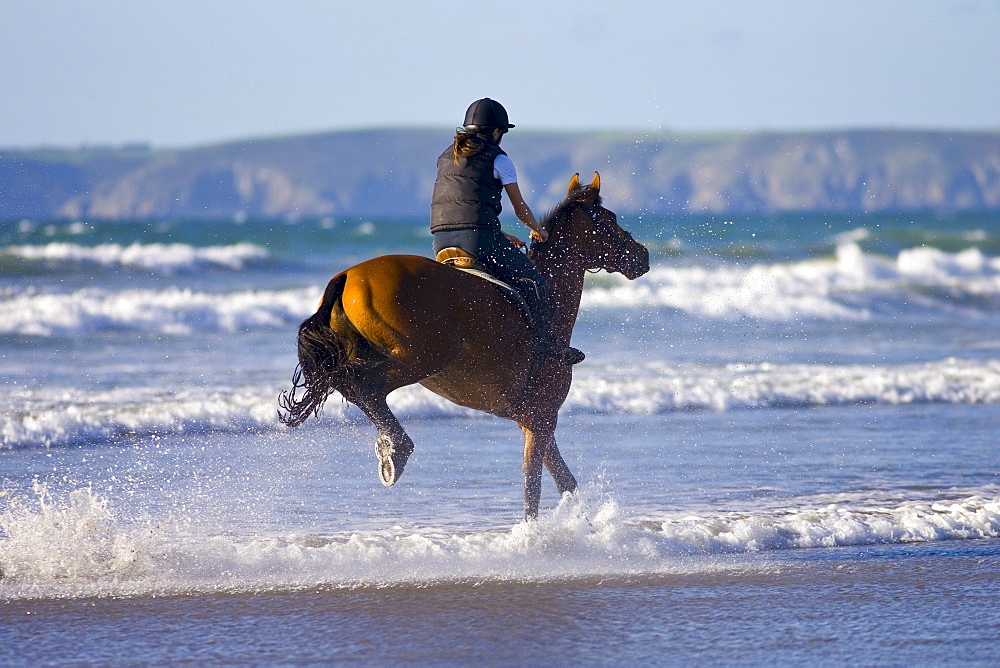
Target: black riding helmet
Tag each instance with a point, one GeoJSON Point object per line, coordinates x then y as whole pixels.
{"type": "Point", "coordinates": [486, 114]}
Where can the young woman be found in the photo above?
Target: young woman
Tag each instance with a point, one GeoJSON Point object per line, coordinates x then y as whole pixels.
{"type": "Point", "coordinates": [472, 175]}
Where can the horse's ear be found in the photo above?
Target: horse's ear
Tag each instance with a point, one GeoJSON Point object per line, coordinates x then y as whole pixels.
{"type": "Point", "coordinates": [574, 184]}
{"type": "Point", "coordinates": [596, 183]}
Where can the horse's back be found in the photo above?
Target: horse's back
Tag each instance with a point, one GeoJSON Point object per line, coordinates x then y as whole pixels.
{"type": "Point", "coordinates": [397, 286]}
{"type": "Point", "coordinates": [454, 332]}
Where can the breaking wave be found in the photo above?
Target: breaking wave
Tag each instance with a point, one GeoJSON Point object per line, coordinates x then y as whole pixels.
{"type": "Point", "coordinates": [55, 418]}
{"type": "Point", "coordinates": [157, 257]}
{"type": "Point", "coordinates": [78, 545]}
{"type": "Point", "coordinates": [173, 311]}
{"type": "Point", "coordinates": [851, 286]}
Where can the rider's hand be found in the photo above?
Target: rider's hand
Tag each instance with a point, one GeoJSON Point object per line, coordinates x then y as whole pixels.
{"type": "Point", "coordinates": [514, 240]}
{"type": "Point", "coordinates": [539, 235]}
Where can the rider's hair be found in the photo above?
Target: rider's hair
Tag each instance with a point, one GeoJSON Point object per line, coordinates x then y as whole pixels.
{"type": "Point", "coordinates": [468, 143]}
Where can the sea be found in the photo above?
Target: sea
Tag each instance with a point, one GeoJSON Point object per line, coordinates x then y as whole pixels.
{"type": "Point", "coordinates": [785, 434]}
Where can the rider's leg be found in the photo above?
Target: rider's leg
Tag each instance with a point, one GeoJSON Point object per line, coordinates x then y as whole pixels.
{"type": "Point", "coordinates": [465, 238]}
{"type": "Point", "coordinates": [513, 267]}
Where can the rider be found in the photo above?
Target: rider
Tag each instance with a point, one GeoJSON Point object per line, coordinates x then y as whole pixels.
{"type": "Point", "coordinates": [465, 213]}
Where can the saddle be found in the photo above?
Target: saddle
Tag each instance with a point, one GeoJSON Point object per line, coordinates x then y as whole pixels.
{"type": "Point", "coordinates": [462, 260]}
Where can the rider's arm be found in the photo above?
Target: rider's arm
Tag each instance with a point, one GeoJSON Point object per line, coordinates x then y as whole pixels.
{"type": "Point", "coordinates": [503, 169]}
{"type": "Point", "coordinates": [523, 212]}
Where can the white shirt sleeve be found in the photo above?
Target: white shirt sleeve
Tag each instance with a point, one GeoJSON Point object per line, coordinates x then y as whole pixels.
{"type": "Point", "coordinates": [503, 169]}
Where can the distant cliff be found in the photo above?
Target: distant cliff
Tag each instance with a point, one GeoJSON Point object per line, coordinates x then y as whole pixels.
{"type": "Point", "coordinates": [391, 172]}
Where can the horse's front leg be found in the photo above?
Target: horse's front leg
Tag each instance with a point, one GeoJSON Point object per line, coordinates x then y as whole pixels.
{"type": "Point", "coordinates": [393, 446]}
{"type": "Point", "coordinates": [539, 437]}
{"type": "Point", "coordinates": [540, 448]}
{"type": "Point", "coordinates": [535, 444]}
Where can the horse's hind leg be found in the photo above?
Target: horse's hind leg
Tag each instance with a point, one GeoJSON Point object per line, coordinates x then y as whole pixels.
{"type": "Point", "coordinates": [565, 482]}
{"type": "Point", "coordinates": [393, 446]}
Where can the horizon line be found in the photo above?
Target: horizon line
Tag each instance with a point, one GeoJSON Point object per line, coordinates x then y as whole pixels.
{"type": "Point", "coordinates": [145, 145]}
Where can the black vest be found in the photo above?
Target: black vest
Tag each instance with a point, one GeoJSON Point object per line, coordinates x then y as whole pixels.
{"type": "Point", "coordinates": [466, 194]}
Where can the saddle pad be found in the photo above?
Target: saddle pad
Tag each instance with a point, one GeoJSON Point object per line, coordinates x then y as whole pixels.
{"type": "Point", "coordinates": [459, 259]}
{"type": "Point", "coordinates": [511, 293]}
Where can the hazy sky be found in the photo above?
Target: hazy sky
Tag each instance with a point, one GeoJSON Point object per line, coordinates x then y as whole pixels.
{"type": "Point", "coordinates": [184, 72]}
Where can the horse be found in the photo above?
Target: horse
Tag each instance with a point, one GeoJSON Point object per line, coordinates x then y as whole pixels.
{"type": "Point", "coordinates": [397, 320]}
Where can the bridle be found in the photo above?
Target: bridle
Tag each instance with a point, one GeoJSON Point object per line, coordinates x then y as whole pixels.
{"type": "Point", "coordinates": [618, 237]}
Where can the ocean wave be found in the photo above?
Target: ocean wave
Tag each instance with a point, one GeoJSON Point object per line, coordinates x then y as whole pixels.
{"type": "Point", "coordinates": [853, 285]}
{"type": "Point", "coordinates": [157, 258]}
{"type": "Point", "coordinates": [68, 416]}
{"type": "Point", "coordinates": [835, 525]}
{"type": "Point", "coordinates": [174, 311]}
{"type": "Point", "coordinates": [58, 418]}
{"type": "Point", "coordinates": [658, 387]}
{"type": "Point", "coordinates": [78, 545]}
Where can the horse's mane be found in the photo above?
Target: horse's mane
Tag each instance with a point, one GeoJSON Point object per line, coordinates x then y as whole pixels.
{"type": "Point", "coordinates": [575, 195]}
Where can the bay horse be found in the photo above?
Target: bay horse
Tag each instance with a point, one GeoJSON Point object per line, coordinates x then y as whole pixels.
{"type": "Point", "coordinates": [397, 320]}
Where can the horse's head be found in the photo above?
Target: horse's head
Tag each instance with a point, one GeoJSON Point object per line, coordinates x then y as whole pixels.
{"type": "Point", "coordinates": [581, 229]}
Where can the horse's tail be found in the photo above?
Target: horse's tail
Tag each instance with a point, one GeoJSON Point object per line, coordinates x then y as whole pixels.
{"type": "Point", "coordinates": [327, 357]}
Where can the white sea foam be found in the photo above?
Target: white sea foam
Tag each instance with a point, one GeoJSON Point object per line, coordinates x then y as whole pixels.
{"type": "Point", "coordinates": [163, 258]}
{"type": "Point", "coordinates": [173, 311]}
{"type": "Point", "coordinates": [658, 387]}
{"type": "Point", "coordinates": [33, 418]}
{"type": "Point", "coordinates": [59, 417]}
{"type": "Point", "coordinates": [69, 416]}
{"type": "Point", "coordinates": [854, 286]}
{"type": "Point", "coordinates": [837, 525]}
{"type": "Point", "coordinates": [79, 546]}
{"type": "Point", "coordinates": [848, 287]}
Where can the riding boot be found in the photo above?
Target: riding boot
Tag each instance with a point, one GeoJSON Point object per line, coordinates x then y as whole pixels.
{"type": "Point", "coordinates": [544, 343]}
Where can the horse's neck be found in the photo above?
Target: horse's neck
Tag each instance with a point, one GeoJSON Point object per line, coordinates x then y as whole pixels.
{"type": "Point", "coordinates": [565, 283]}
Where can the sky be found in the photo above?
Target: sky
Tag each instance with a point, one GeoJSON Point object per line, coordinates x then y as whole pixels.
{"type": "Point", "coordinates": [182, 73]}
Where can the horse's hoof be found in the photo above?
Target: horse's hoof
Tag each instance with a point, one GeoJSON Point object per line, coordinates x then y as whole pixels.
{"type": "Point", "coordinates": [384, 450]}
